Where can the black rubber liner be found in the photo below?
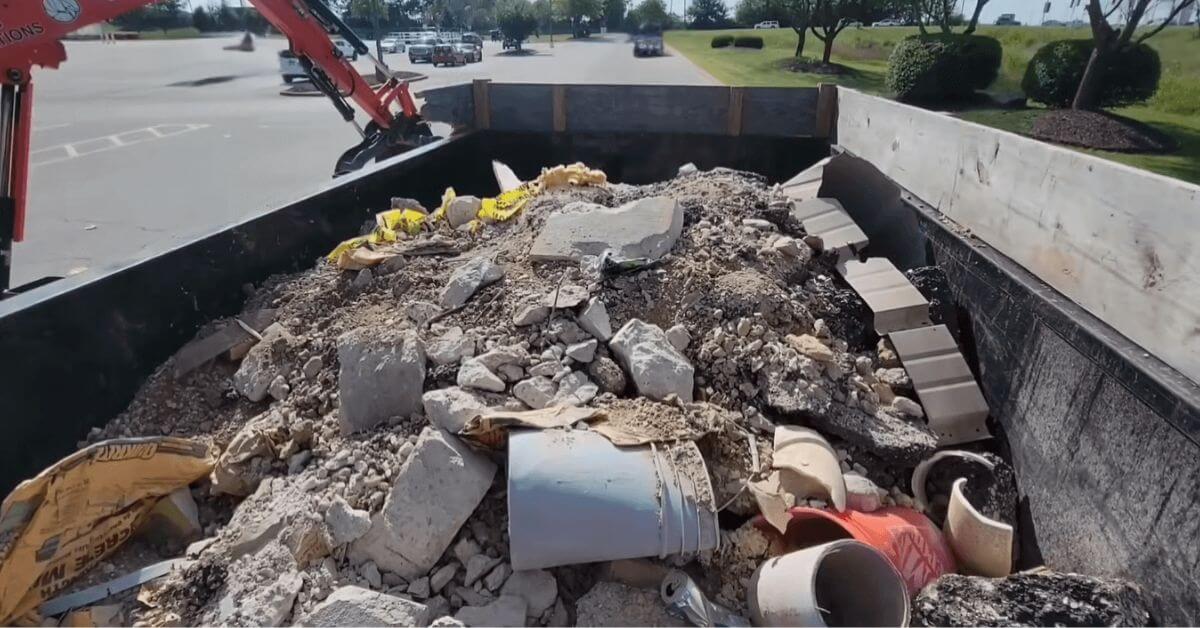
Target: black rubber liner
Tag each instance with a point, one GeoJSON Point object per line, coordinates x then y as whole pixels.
{"type": "Point", "coordinates": [76, 351]}
{"type": "Point", "coordinates": [1103, 437]}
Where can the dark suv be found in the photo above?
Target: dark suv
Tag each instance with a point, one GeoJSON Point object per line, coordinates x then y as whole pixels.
{"type": "Point", "coordinates": [422, 50]}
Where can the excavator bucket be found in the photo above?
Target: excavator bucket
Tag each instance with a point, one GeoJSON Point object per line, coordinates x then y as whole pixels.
{"type": "Point", "coordinates": [379, 144]}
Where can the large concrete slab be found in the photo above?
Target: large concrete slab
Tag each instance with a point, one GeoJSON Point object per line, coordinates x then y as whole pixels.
{"type": "Point", "coordinates": [896, 303]}
{"type": "Point", "coordinates": [647, 227]}
{"type": "Point", "coordinates": [954, 405]}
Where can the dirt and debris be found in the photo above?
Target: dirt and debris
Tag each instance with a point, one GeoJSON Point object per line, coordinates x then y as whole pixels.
{"type": "Point", "coordinates": [1045, 598]}
{"type": "Point", "coordinates": [342, 493]}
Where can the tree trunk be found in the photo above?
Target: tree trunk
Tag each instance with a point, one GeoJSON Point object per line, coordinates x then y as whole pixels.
{"type": "Point", "coordinates": [1088, 94]}
{"type": "Point", "coordinates": [801, 35]}
{"type": "Point", "coordinates": [828, 49]}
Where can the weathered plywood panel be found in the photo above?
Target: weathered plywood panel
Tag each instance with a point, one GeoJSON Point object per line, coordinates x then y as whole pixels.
{"type": "Point", "coordinates": [779, 111]}
{"type": "Point", "coordinates": [647, 108]}
{"type": "Point", "coordinates": [1118, 241]}
{"type": "Point", "coordinates": [522, 107]}
{"type": "Point", "coordinates": [452, 104]}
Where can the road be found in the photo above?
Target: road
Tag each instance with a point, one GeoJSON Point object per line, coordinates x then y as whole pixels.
{"type": "Point", "coordinates": [139, 146]}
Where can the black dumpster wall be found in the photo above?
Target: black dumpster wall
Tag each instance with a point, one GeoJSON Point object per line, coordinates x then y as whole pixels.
{"type": "Point", "coordinates": [1103, 436]}
{"type": "Point", "coordinates": [75, 352]}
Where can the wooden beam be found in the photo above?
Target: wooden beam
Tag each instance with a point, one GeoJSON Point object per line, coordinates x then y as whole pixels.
{"type": "Point", "coordinates": [560, 109]}
{"type": "Point", "coordinates": [826, 109]}
{"type": "Point", "coordinates": [736, 96]}
{"type": "Point", "coordinates": [483, 106]}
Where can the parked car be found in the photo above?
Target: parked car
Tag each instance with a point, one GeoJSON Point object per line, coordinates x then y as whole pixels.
{"type": "Point", "coordinates": [448, 54]}
{"type": "Point", "coordinates": [495, 34]}
{"type": "Point", "coordinates": [422, 50]}
{"type": "Point", "coordinates": [289, 66]}
{"type": "Point", "coordinates": [472, 53]}
{"type": "Point", "coordinates": [648, 45]}
{"type": "Point", "coordinates": [509, 43]}
{"type": "Point", "coordinates": [472, 38]}
{"type": "Point", "coordinates": [393, 42]}
{"type": "Point", "coordinates": [888, 22]}
{"type": "Point", "coordinates": [346, 49]}
{"type": "Point", "coordinates": [767, 24]}
{"type": "Point", "coordinates": [1007, 19]}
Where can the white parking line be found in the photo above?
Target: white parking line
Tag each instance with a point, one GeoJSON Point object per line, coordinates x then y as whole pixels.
{"type": "Point", "coordinates": [83, 148]}
{"type": "Point", "coordinates": [49, 127]}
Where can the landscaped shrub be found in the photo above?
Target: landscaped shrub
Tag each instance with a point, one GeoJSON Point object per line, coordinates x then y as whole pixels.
{"type": "Point", "coordinates": [1054, 73]}
{"type": "Point", "coordinates": [943, 66]}
{"type": "Point", "coordinates": [722, 41]}
{"type": "Point", "coordinates": [748, 41]}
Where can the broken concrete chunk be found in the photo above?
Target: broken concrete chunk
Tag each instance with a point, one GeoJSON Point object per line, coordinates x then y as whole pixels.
{"type": "Point", "coordinates": [497, 577]}
{"type": "Point", "coordinates": [531, 315]}
{"type": "Point", "coordinates": [451, 408]}
{"type": "Point", "coordinates": [462, 210]}
{"type": "Point", "coordinates": [810, 346]}
{"type": "Point", "coordinates": [575, 390]}
{"type": "Point", "coordinates": [594, 320]}
{"type": "Point", "coordinates": [442, 577]}
{"type": "Point", "coordinates": [451, 347]}
{"type": "Point", "coordinates": [312, 368]}
{"type": "Point", "coordinates": [646, 228]}
{"type": "Point", "coordinates": [345, 523]}
{"type": "Point", "coordinates": [862, 494]}
{"type": "Point", "coordinates": [565, 296]}
{"type": "Point", "coordinates": [537, 587]}
{"type": "Point", "coordinates": [382, 374]}
{"type": "Point", "coordinates": [907, 407]}
{"type": "Point", "coordinates": [583, 352]}
{"type": "Point", "coordinates": [656, 367]}
{"type": "Point", "coordinates": [435, 491]}
{"type": "Point", "coordinates": [421, 311]}
{"type": "Point", "coordinates": [535, 392]}
{"type": "Point", "coordinates": [473, 374]}
{"type": "Point", "coordinates": [356, 606]}
{"type": "Point", "coordinates": [1031, 599]}
{"type": "Point", "coordinates": [506, 610]}
{"type": "Point", "coordinates": [615, 604]}
{"type": "Point", "coordinates": [468, 278]}
{"type": "Point", "coordinates": [679, 337]}
{"type": "Point", "coordinates": [893, 439]}
{"type": "Point", "coordinates": [477, 566]}
{"type": "Point", "coordinates": [499, 356]}
{"type": "Point", "coordinates": [263, 363]}
{"type": "Point", "coordinates": [174, 520]}
{"type": "Point", "coordinates": [608, 375]}
{"type": "Point", "coordinates": [421, 586]}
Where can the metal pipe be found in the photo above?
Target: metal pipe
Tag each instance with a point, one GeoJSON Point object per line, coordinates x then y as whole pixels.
{"type": "Point", "coordinates": [8, 204]}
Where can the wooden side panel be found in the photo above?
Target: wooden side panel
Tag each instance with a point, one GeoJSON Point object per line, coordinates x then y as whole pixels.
{"type": "Point", "coordinates": [519, 107]}
{"type": "Point", "coordinates": [779, 111]}
{"type": "Point", "coordinates": [647, 108]}
{"type": "Point", "coordinates": [1118, 241]}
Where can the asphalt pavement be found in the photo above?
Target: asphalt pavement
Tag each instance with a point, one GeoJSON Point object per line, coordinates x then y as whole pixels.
{"type": "Point", "coordinates": [139, 146]}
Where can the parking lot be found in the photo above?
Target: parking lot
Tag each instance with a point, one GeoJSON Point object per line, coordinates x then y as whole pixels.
{"type": "Point", "coordinates": [140, 145]}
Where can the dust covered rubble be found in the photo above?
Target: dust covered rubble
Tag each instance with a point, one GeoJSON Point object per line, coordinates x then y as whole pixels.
{"type": "Point", "coordinates": [343, 494]}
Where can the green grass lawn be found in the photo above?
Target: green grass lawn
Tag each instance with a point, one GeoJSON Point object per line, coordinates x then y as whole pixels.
{"type": "Point", "coordinates": [865, 51]}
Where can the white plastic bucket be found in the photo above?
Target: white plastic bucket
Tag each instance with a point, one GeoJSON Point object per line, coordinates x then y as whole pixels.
{"type": "Point", "coordinates": [574, 497]}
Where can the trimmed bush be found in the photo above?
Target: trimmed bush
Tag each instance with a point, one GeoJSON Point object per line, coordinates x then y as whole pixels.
{"type": "Point", "coordinates": [943, 66]}
{"type": "Point", "coordinates": [748, 41]}
{"type": "Point", "coordinates": [722, 41]}
{"type": "Point", "coordinates": [1054, 73]}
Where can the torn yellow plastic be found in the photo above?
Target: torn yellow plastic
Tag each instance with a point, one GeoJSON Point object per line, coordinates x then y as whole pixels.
{"type": "Point", "coordinates": [409, 221]}
{"type": "Point", "coordinates": [440, 213]}
{"type": "Point", "coordinates": [505, 206]}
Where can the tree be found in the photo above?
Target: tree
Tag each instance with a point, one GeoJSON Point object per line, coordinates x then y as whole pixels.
{"type": "Point", "coordinates": [226, 20]}
{"type": "Point", "coordinates": [650, 15]}
{"type": "Point", "coordinates": [831, 17]}
{"type": "Point", "coordinates": [800, 13]}
{"type": "Point", "coordinates": [942, 13]}
{"type": "Point", "coordinates": [751, 12]}
{"type": "Point", "coordinates": [516, 19]}
{"type": "Point", "coordinates": [708, 14]}
{"type": "Point", "coordinates": [202, 20]}
{"type": "Point", "coordinates": [614, 13]}
{"type": "Point", "coordinates": [1110, 40]}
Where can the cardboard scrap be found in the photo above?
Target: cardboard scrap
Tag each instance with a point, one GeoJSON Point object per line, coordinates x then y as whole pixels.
{"type": "Point", "coordinates": [59, 524]}
{"type": "Point", "coordinates": [490, 428]}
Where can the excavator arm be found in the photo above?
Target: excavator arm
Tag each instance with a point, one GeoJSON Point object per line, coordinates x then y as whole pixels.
{"type": "Point", "coordinates": [30, 35]}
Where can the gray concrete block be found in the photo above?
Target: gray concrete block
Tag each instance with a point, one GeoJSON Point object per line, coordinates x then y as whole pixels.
{"type": "Point", "coordinates": [954, 405]}
{"type": "Point", "coordinates": [896, 303]}
{"type": "Point", "coordinates": [654, 365]}
{"type": "Point", "coordinates": [827, 219]}
{"type": "Point", "coordinates": [381, 375]}
{"type": "Point", "coordinates": [434, 493]}
{"type": "Point", "coordinates": [647, 227]}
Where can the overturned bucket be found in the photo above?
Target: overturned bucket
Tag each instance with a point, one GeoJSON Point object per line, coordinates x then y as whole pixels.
{"type": "Point", "coordinates": [841, 583]}
{"type": "Point", "coordinates": [574, 497]}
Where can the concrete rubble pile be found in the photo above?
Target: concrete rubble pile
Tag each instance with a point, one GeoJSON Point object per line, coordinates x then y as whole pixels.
{"type": "Point", "coordinates": [369, 470]}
